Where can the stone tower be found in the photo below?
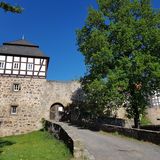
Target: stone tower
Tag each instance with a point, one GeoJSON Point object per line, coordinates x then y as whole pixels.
{"type": "Point", "coordinates": [23, 69]}
{"type": "Point", "coordinates": [25, 95]}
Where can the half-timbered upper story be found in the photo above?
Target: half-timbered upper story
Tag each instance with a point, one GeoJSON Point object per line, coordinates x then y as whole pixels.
{"type": "Point", "coordinates": [22, 59]}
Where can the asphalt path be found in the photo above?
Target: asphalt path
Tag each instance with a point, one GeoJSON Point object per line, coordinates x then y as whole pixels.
{"type": "Point", "coordinates": [113, 147]}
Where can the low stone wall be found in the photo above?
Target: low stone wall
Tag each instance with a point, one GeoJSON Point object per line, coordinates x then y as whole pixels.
{"type": "Point", "coordinates": [62, 132]}
{"type": "Point", "coordinates": [151, 127]}
{"type": "Point", "coordinates": [113, 121]}
{"type": "Point", "coordinates": [140, 134]}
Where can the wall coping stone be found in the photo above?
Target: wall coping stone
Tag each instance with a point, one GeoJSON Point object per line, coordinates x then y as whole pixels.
{"type": "Point", "coordinates": [140, 134]}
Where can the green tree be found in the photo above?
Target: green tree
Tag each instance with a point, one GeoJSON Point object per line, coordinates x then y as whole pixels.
{"type": "Point", "coordinates": [10, 8]}
{"type": "Point", "coordinates": [121, 45]}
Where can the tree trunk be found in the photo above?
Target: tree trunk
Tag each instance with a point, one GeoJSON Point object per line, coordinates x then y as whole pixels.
{"type": "Point", "coordinates": [136, 118]}
{"type": "Point", "coordinates": [136, 122]}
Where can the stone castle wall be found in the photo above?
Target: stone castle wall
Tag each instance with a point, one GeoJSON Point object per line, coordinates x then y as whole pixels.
{"type": "Point", "coordinates": [33, 100]}
{"type": "Point", "coordinates": [154, 115]}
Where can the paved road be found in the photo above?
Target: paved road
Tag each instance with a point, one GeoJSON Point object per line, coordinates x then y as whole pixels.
{"type": "Point", "coordinates": [111, 147]}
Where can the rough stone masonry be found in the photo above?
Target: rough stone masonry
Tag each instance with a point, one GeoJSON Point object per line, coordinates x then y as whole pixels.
{"type": "Point", "coordinates": [33, 102]}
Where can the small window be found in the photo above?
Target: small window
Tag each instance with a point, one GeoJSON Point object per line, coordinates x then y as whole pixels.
{"type": "Point", "coordinates": [1, 65]}
{"type": "Point", "coordinates": [16, 87]}
{"type": "Point", "coordinates": [14, 110]}
{"type": "Point", "coordinates": [15, 65]}
{"type": "Point", "coordinates": [29, 66]}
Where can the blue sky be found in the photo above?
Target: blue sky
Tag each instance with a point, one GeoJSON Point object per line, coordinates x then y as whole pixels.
{"type": "Point", "coordinates": [51, 24]}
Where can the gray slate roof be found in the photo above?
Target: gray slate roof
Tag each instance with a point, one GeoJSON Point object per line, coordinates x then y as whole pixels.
{"type": "Point", "coordinates": [22, 48]}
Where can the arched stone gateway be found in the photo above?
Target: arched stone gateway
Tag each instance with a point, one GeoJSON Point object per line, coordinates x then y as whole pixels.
{"type": "Point", "coordinates": [56, 112]}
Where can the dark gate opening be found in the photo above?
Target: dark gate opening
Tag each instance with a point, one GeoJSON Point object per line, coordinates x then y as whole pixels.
{"type": "Point", "coordinates": [56, 112]}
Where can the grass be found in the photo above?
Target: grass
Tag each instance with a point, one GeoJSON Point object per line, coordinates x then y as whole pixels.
{"type": "Point", "coordinates": [33, 146]}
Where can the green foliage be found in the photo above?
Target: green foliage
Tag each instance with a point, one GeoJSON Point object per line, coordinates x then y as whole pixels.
{"type": "Point", "coordinates": [36, 146]}
{"type": "Point", "coordinates": [120, 42]}
{"type": "Point", "coordinates": [145, 120]}
{"type": "Point", "coordinates": [43, 121]}
{"type": "Point", "coordinates": [10, 8]}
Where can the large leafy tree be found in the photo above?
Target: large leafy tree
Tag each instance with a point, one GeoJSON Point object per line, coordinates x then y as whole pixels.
{"type": "Point", "coordinates": [10, 8]}
{"type": "Point", "coordinates": [121, 45]}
